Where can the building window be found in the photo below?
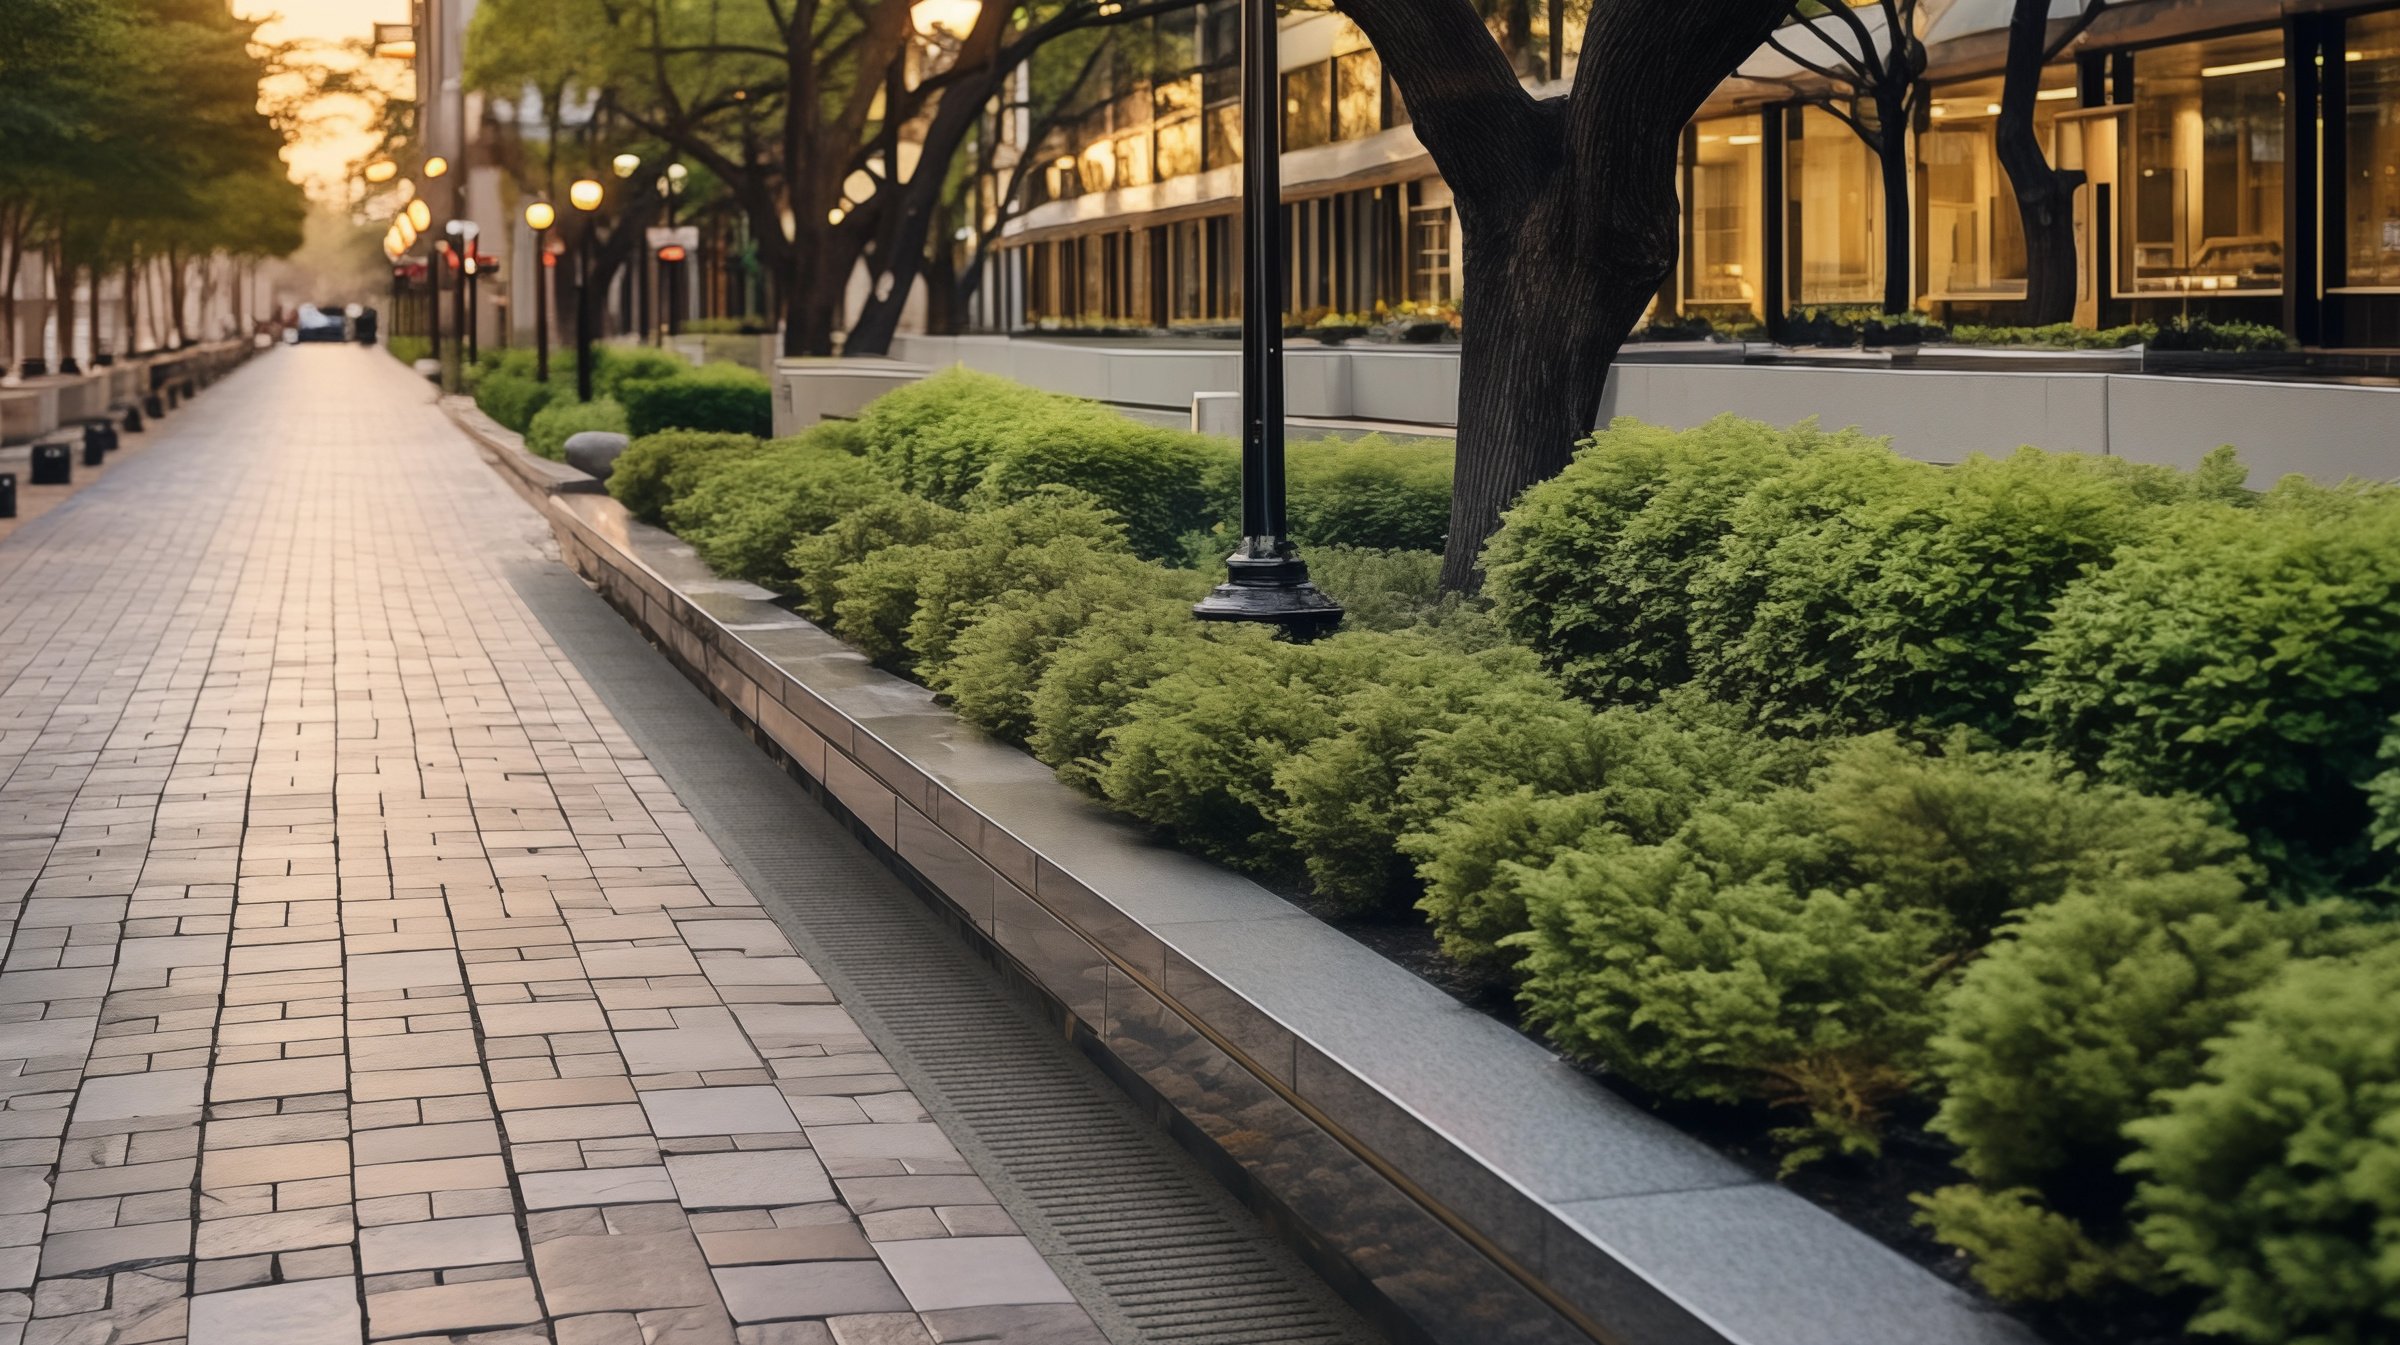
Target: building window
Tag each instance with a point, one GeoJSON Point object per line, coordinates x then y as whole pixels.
{"type": "Point", "coordinates": [1308, 106]}
{"type": "Point", "coordinates": [2203, 209]}
{"type": "Point", "coordinates": [1178, 127]}
{"type": "Point", "coordinates": [2371, 151]}
{"type": "Point", "coordinates": [1133, 160]}
{"type": "Point", "coordinates": [1974, 235]}
{"type": "Point", "coordinates": [1358, 95]}
{"type": "Point", "coordinates": [1836, 213]}
{"type": "Point", "coordinates": [1223, 134]}
{"type": "Point", "coordinates": [1722, 207]}
{"type": "Point", "coordinates": [1429, 274]}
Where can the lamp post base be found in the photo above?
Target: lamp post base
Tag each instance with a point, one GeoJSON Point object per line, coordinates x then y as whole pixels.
{"type": "Point", "coordinates": [1273, 588]}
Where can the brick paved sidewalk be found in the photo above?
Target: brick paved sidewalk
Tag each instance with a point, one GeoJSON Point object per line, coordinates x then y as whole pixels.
{"type": "Point", "coordinates": [365, 982]}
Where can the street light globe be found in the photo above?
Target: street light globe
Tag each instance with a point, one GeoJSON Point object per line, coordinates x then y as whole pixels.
{"type": "Point", "coordinates": [677, 171]}
{"type": "Point", "coordinates": [382, 170]}
{"type": "Point", "coordinates": [584, 194]}
{"type": "Point", "coordinates": [626, 164]}
{"type": "Point", "coordinates": [436, 166]}
{"type": "Point", "coordinates": [420, 215]}
{"type": "Point", "coordinates": [540, 216]}
{"type": "Point", "coordinates": [407, 232]}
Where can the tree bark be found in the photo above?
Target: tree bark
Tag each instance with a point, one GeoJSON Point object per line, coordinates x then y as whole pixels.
{"type": "Point", "coordinates": [2045, 196]}
{"type": "Point", "coordinates": [1899, 218]}
{"type": "Point", "coordinates": [1569, 213]}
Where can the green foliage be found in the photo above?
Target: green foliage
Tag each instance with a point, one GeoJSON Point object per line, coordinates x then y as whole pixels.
{"type": "Point", "coordinates": [2197, 333]}
{"type": "Point", "coordinates": [997, 662]}
{"type": "Point", "coordinates": [1792, 948]}
{"type": "Point", "coordinates": [721, 397]}
{"type": "Point", "coordinates": [820, 564]}
{"type": "Point", "coordinates": [1862, 589]}
{"type": "Point", "coordinates": [408, 349]}
{"type": "Point", "coordinates": [2065, 1030]}
{"type": "Point", "coordinates": [512, 398]}
{"type": "Point", "coordinates": [658, 469]}
{"type": "Point", "coordinates": [2272, 1185]}
{"type": "Point", "coordinates": [906, 605]}
{"type": "Point", "coordinates": [936, 436]}
{"type": "Point", "coordinates": [1369, 492]}
{"type": "Point", "coordinates": [2249, 655]}
{"type": "Point", "coordinates": [555, 423]}
{"type": "Point", "coordinates": [615, 366]}
{"type": "Point", "coordinates": [1591, 568]}
{"type": "Point", "coordinates": [2055, 336]}
{"type": "Point", "coordinates": [1095, 677]}
{"type": "Point", "coordinates": [1384, 590]}
{"type": "Point", "coordinates": [1162, 483]}
{"type": "Point", "coordinates": [745, 510]}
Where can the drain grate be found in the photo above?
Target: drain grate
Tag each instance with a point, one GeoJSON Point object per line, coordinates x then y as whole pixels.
{"type": "Point", "coordinates": [1156, 1250]}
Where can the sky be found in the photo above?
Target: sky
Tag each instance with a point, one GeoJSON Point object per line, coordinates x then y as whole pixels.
{"type": "Point", "coordinates": [334, 136]}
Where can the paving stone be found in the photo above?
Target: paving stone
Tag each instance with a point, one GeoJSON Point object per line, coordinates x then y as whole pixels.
{"type": "Point", "coordinates": [939, 1273]}
{"type": "Point", "coordinates": [451, 1308]}
{"type": "Point", "coordinates": [285, 1230]}
{"type": "Point", "coordinates": [600, 1186]}
{"type": "Point", "coordinates": [623, 1272]}
{"type": "Point", "coordinates": [77, 1253]}
{"type": "Point", "coordinates": [752, 1246]}
{"type": "Point", "coordinates": [308, 1312]}
{"type": "Point", "coordinates": [738, 1110]}
{"type": "Point", "coordinates": [730, 1180]}
{"type": "Point", "coordinates": [818, 1289]}
{"type": "Point", "coordinates": [437, 1243]}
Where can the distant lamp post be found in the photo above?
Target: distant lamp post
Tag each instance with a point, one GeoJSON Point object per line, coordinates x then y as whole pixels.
{"type": "Point", "coordinates": [420, 215]}
{"type": "Point", "coordinates": [539, 216]}
{"type": "Point", "coordinates": [382, 170]}
{"type": "Point", "coordinates": [584, 195]}
{"type": "Point", "coordinates": [626, 165]}
{"type": "Point", "coordinates": [462, 294]}
{"type": "Point", "coordinates": [435, 167]}
{"type": "Point", "coordinates": [1266, 579]}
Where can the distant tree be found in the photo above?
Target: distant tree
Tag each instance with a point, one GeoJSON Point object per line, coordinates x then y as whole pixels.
{"type": "Point", "coordinates": [1569, 210]}
{"type": "Point", "coordinates": [1872, 80]}
{"type": "Point", "coordinates": [2045, 195]}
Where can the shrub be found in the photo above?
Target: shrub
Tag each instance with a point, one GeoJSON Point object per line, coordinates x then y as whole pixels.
{"type": "Point", "coordinates": [506, 390]}
{"type": "Point", "coordinates": [1198, 751]}
{"type": "Point", "coordinates": [2196, 333]}
{"type": "Point", "coordinates": [1791, 948]}
{"type": "Point", "coordinates": [721, 397]}
{"type": "Point", "coordinates": [1863, 591]}
{"type": "Point", "coordinates": [746, 510]}
{"type": "Point", "coordinates": [1383, 590]}
{"type": "Point", "coordinates": [933, 436]}
{"type": "Point", "coordinates": [2272, 1185]}
{"type": "Point", "coordinates": [2249, 655]}
{"type": "Point", "coordinates": [1162, 483]}
{"type": "Point", "coordinates": [2055, 336]}
{"type": "Point", "coordinates": [1590, 569]}
{"type": "Point", "coordinates": [552, 426]}
{"type": "Point", "coordinates": [407, 349]}
{"type": "Point", "coordinates": [658, 469]}
{"type": "Point", "coordinates": [2059, 1035]}
{"type": "Point", "coordinates": [820, 563]}
{"type": "Point", "coordinates": [1094, 678]}
{"type": "Point", "coordinates": [1495, 797]}
{"type": "Point", "coordinates": [615, 366]}
{"type": "Point", "coordinates": [1369, 491]}
{"type": "Point", "coordinates": [904, 605]}
{"type": "Point", "coordinates": [997, 662]}
{"type": "Point", "coordinates": [1340, 799]}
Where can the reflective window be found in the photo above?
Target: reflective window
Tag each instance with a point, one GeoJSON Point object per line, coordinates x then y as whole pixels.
{"type": "Point", "coordinates": [1721, 263]}
{"type": "Point", "coordinates": [1430, 278]}
{"type": "Point", "coordinates": [1974, 237]}
{"type": "Point", "coordinates": [1837, 213]}
{"type": "Point", "coordinates": [1358, 95]}
{"type": "Point", "coordinates": [2203, 207]}
{"type": "Point", "coordinates": [2371, 150]}
{"type": "Point", "coordinates": [1307, 106]}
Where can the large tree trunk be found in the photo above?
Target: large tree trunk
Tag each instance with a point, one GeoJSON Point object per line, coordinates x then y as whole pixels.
{"type": "Point", "coordinates": [1899, 252]}
{"type": "Point", "coordinates": [2045, 196]}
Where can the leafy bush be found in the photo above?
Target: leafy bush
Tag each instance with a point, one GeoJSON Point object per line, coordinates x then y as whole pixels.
{"type": "Point", "coordinates": [2062, 1033]}
{"type": "Point", "coordinates": [1198, 751]}
{"type": "Point", "coordinates": [2249, 655]}
{"type": "Point", "coordinates": [1862, 589]}
{"type": "Point", "coordinates": [905, 605]}
{"type": "Point", "coordinates": [2196, 333]}
{"type": "Point", "coordinates": [555, 423]}
{"type": "Point", "coordinates": [820, 564]}
{"type": "Point", "coordinates": [1094, 678]}
{"type": "Point", "coordinates": [658, 469]}
{"type": "Point", "coordinates": [1495, 797]}
{"type": "Point", "coordinates": [2055, 336]}
{"type": "Point", "coordinates": [615, 366]}
{"type": "Point", "coordinates": [746, 510]}
{"type": "Point", "coordinates": [1162, 483]}
{"type": "Point", "coordinates": [1369, 491]}
{"type": "Point", "coordinates": [1591, 567]}
{"type": "Point", "coordinates": [721, 397]}
{"type": "Point", "coordinates": [505, 388]}
{"type": "Point", "coordinates": [1791, 948]}
{"type": "Point", "coordinates": [934, 437]}
{"type": "Point", "coordinates": [1850, 324]}
{"type": "Point", "coordinates": [2272, 1185]}
{"type": "Point", "coordinates": [408, 349]}
{"type": "Point", "coordinates": [997, 662]}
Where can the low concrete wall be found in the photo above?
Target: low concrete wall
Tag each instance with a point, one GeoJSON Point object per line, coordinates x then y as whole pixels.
{"type": "Point", "coordinates": [2325, 430]}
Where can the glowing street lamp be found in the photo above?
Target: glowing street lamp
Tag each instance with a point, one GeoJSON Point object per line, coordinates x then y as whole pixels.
{"type": "Point", "coordinates": [382, 170]}
{"type": "Point", "coordinates": [626, 165]}
{"type": "Point", "coordinates": [584, 195]}
{"type": "Point", "coordinates": [539, 216]}
{"type": "Point", "coordinates": [435, 167]}
{"type": "Point", "coordinates": [419, 215]}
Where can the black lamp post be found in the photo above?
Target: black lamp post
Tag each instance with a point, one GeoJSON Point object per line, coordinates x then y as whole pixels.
{"type": "Point", "coordinates": [539, 216]}
{"type": "Point", "coordinates": [1266, 579]}
{"type": "Point", "coordinates": [584, 195]}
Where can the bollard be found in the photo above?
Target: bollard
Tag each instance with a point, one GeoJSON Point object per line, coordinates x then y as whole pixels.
{"type": "Point", "coordinates": [109, 440]}
{"type": "Point", "coordinates": [53, 465]}
{"type": "Point", "coordinates": [155, 406]}
{"type": "Point", "coordinates": [93, 451]}
{"type": "Point", "coordinates": [8, 494]}
{"type": "Point", "coordinates": [133, 419]}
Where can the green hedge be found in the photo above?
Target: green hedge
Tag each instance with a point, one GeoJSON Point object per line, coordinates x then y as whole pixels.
{"type": "Point", "coordinates": [1777, 770]}
{"type": "Point", "coordinates": [725, 398]}
{"type": "Point", "coordinates": [554, 424]}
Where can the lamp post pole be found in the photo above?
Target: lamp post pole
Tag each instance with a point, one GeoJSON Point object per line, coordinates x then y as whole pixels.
{"type": "Point", "coordinates": [1266, 579]}
{"type": "Point", "coordinates": [584, 195]}
{"type": "Point", "coordinates": [539, 216]}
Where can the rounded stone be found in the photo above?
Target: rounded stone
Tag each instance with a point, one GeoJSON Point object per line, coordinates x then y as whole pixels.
{"type": "Point", "coordinates": [594, 451]}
